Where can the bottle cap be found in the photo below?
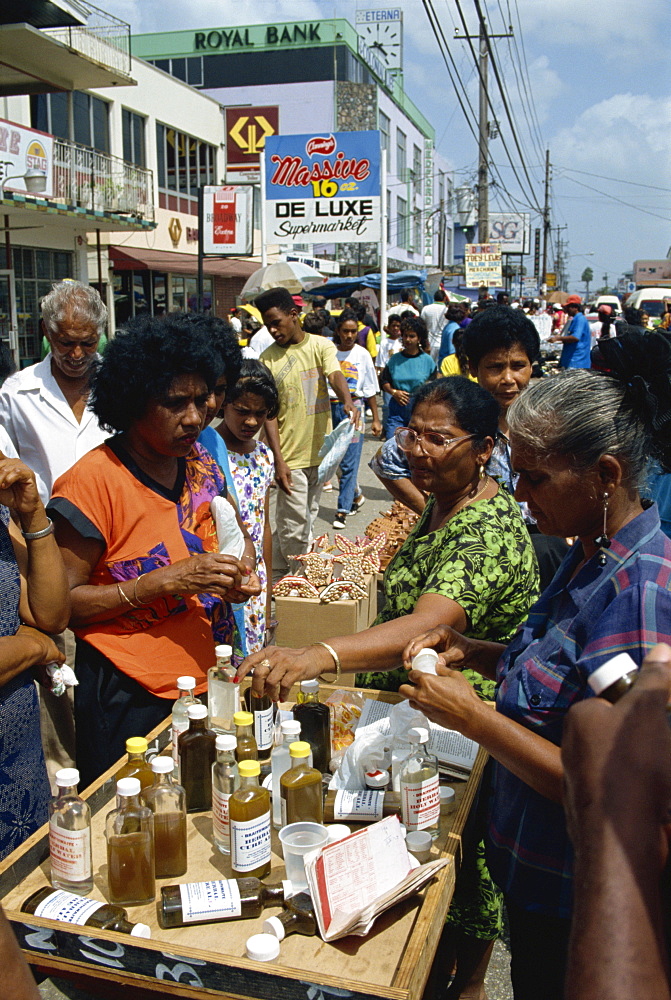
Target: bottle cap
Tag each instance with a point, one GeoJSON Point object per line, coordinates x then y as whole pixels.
{"type": "Point", "coordinates": [312, 685]}
{"type": "Point", "coordinates": [225, 742]}
{"type": "Point", "coordinates": [196, 712]}
{"type": "Point", "coordinates": [67, 776]}
{"type": "Point", "coordinates": [418, 735]}
{"type": "Point", "coordinates": [262, 947]}
{"type": "Point", "coordinates": [299, 749]}
{"type": "Point", "coordinates": [243, 719]}
{"type": "Point", "coordinates": [141, 930]}
{"type": "Point", "coordinates": [136, 744]}
{"type": "Point", "coordinates": [128, 786]}
{"type": "Point", "coordinates": [291, 727]}
{"type": "Point", "coordinates": [446, 795]}
{"type": "Point", "coordinates": [223, 651]}
{"type": "Point", "coordinates": [611, 671]}
{"type": "Point", "coordinates": [186, 683]}
{"type": "Point", "coordinates": [162, 765]}
{"type": "Point", "coordinates": [425, 661]}
{"type": "Point", "coordinates": [419, 844]}
{"type": "Point", "coordinates": [249, 768]}
{"type": "Point", "coordinates": [377, 779]}
{"type": "Point", "coordinates": [274, 926]}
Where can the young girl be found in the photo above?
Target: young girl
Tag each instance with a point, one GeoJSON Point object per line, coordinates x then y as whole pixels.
{"type": "Point", "coordinates": [406, 371]}
{"type": "Point", "coordinates": [356, 365]}
{"type": "Point", "coordinates": [247, 406]}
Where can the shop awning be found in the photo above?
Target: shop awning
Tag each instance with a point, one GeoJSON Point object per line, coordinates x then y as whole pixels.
{"type": "Point", "coordinates": [133, 259]}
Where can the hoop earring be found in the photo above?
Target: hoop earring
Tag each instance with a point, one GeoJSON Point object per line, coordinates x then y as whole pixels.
{"type": "Point", "coordinates": [603, 541]}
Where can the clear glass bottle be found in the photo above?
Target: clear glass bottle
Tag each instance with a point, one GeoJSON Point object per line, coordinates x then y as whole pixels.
{"type": "Point", "coordinates": [196, 757]}
{"type": "Point", "coordinates": [224, 899]}
{"type": "Point", "coordinates": [280, 762]}
{"type": "Point", "coordinates": [246, 748]}
{"type": "Point", "coordinates": [180, 717]}
{"type": "Point", "coordinates": [366, 806]}
{"type": "Point", "coordinates": [400, 748]}
{"type": "Point", "coordinates": [249, 816]}
{"type": "Point", "coordinates": [263, 712]}
{"type": "Point", "coordinates": [129, 830]}
{"type": "Point", "coordinates": [297, 917]}
{"type": "Point", "coordinates": [225, 779]}
{"type": "Point", "coordinates": [72, 909]}
{"type": "Point", "coordinates": [301, 788]}
{"type": "Point", "coordinates": [420, 792]}
{"type": "Point", "coordinates": [70, 836]}
{"type": "Point", "coordinates": [315, 720]}
{"type": "Point", "coordinates": [223, 694]}
{"type": "Point", "coordinates": [167, 801]}
{"type": "Point", "coordinates": [137, 765]}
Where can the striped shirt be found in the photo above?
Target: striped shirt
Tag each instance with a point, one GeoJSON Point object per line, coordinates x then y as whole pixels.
{"type": "Point", "coordinates": [575, 626]}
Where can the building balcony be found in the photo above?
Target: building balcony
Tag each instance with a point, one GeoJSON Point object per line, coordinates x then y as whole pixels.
{"type": "Point", "coordinates": [98, 182]}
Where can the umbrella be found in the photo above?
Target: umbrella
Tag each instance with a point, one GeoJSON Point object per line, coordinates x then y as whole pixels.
{"type": "Point", "coordinates": [292, 275]}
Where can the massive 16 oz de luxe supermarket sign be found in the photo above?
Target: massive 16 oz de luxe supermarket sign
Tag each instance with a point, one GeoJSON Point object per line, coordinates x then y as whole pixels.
{"type": "Point", "coordinates": [323, 188]}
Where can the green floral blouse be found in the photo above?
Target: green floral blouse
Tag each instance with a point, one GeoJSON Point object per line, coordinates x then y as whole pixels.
{"type": "Point", "coordinates": [482, 559]}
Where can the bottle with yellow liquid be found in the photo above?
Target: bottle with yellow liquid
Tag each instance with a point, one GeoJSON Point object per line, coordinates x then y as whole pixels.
{"type": "Point", "coordinates": [137, 765]}
{"type": "Point", "coordinates": [246, 748]}
{"type": "Point", "coordinates": [249, 821]}
{"type": "Point", "coordinates": [129, 830]}
{"type": "Point", "coordinates": [167, 801]}
{"type": "Point", "coordinates": [301, 788]}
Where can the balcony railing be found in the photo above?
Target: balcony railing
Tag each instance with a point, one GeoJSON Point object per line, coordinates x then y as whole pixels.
{"type": "Point", "coordinates": [99, 182]}
{"type": "Point", "coordinates": [103, 38]}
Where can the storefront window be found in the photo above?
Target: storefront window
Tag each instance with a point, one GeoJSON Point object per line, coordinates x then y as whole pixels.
{"type": "Point", "coordinates": [35, 272]}
{"type": "Point", "coordinates": [185, 294]}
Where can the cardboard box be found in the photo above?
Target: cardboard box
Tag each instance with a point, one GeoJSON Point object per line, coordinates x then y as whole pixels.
{"type": "Point", "coordinates": [303, 620]}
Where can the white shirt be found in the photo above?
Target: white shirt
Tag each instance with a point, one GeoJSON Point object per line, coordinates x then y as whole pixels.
{"type": "Point", "coordinates": [42, 426]}
{"type": "Point", "coordinates": [357, 367]}
{"type": "Point", "coordinates": [402, 307]}
{"type": "Point", "coordinates": [259, 342]}
{"type": "Point", "coordinates": [435, 317]}
{"type": "Point", "coordinates": [386, 349]}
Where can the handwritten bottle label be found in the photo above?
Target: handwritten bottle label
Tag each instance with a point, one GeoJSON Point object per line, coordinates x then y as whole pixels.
{"type": "Point", "coordinates": [66, 906]}
{"type": "Point", "coordinates": [420, 803]}
{"type": "Point", "coordinates": [250, 843]}
{"type": "Point", "coordinates": [70, 853]}
{"type": "Point", "coordinates": [364, 807]}
{"type": "Point", "coordinates": [217, 900]}
{"type": "Point", "coordinates": [220, 822]}
{"type": "Point", "coordinates": [263, 728]}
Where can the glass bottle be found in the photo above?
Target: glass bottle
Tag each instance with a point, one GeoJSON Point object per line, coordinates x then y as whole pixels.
{"type": "Point", "coordinates": [70, 836]}
{"type": "Point", "coordinates": [180, 716]}
{"type": "Point", "coordinates": [71, 909]}
{"type": "Point", "coordinates": [400, 748]}
{"type": "Point", "coordinates": [614, 678]}
{"type": "Point", "coordinates": [301, 788]}
{"type": "Point", "coordinates": [225, 780]}
{"type": "Point", "coordinates": [129, 830]}
{"type": "Point", "coordinates": [420, 793]}
{"type": "Point", "coordinates": [262, 710]}
{"type": "Point", "coordinates": [249, 816]}
{"type": "Point", "coordinates": [224, 899]}
{"type": "Point", "coordinates": [223, 694]}
{"type": "Point", "coordinates": [167, 801]}
{"type": "Point", "coordinates": [196, 757]}
{"type": "Point", "coordinates": [297, 917]}
{"type": "Point", "coordinates": [367, 806]}
{"type": "Point", "coordinates": [280, 761]}
{"type": "Point", "coordinates": [246, 748]}
{"type": "Point", "coordinates": [137, 765]}
{"type": "Point", "coordinates": [315, 720]}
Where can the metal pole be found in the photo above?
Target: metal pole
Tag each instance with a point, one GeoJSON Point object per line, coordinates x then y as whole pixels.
{"type": "Point", "coordinates": [483, 144]}
{"type": "Point", "coordinates": [201, 234]}
{"type": "Point", "coordinates": [383, 240]}
{"type": "Point", "coordinates": [264, 232]}
{"type": "Point", "coordinates": [100, 263]}
{"type": "Point", "coordinates": [546, 221]}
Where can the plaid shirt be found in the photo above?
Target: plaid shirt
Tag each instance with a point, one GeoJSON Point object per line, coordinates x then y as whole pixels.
{"type": "Point", "coordinates": [575, 626]}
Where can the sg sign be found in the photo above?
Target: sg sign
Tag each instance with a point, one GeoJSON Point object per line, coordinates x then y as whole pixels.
{"type": "Point", "coordinates": [511, 231]}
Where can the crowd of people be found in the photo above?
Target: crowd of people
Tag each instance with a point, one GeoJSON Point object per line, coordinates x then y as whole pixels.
{"type": "Point", "coordinates": [537, 555]}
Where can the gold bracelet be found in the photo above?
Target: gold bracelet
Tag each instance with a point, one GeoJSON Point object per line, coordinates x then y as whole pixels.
{"type": "Point", "coordinates": [123, 596]}
{"type": "Point", "coordinates": [140, 603]}
{"type": "Point", "coordinates": [336, 658]}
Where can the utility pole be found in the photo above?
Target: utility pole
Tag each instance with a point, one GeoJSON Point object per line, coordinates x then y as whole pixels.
{"type": "Point", "coordinates": [546, 220]}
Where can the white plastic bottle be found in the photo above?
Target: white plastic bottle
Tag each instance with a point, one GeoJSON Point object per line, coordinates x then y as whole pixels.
{"type": "Point", "coordinates": [225, 780]}
{"type": "Point", "coordinates": [280, 761]}
{"type": "Point", "coordinates": [420, 792]}
{"type": "Point", "coordinates": [223, 694]}
{"type": "Point", "coordinates": [70, 836]}
{"type": "Point", "coordinates": [180, 717]}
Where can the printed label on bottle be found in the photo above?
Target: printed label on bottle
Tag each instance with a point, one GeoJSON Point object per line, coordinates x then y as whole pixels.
{"type": "Point", "coordinates": [250, 843]}
{"type": "Point", "coordinates": [263, 728]}
{"type": "Point", "coordinates": [60, 905]}
{"type": "Point", "coordinates": [70, 853]}
{"type": "Point", "coordinates": [420, 803]}
{"type": "Point", "coordinates": [177, 730]}
{"type": "Point", "coordinates": [364, 807]}
{"type": "Point", "coordinates": [220, 815]}
{"type": "Point", "coordinates": [219, 900]}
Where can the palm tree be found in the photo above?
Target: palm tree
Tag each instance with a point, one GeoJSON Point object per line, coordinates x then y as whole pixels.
{"type": "Point", "coordinates": [587, 276]}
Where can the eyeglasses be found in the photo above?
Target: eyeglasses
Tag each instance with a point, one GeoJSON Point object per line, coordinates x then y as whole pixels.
{"type": "Point", "coordinates": [433, 445]}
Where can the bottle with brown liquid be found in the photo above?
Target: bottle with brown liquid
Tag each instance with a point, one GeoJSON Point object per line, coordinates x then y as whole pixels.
{"type": "Point", "coordinates": [167, 801]}
{"type": "Point", "coordinates": [129, 830]}
{"type": "Point", "coordinates": [137, 765]}
{"type": "Point", "coordinates": [262, 710]}
{"type": "Point", "coordinates": [246, 748]}
{"type": "Point", "coordinates": [72, 909]}
{"type": "Point", "coordinates": [297, 917]}
{"type": "Point", "coordinates": [315, 720]}
{"type": "Point", "coordinates": [249, 818]}
{"type": "Point", "coordinates": [301, 788]}
{"type": "Point", "coordinates": [196, 757]}
{"type": "Point", "coordinates": [366, 806]}
{"type": "Point", "coordinates": [212, 902]}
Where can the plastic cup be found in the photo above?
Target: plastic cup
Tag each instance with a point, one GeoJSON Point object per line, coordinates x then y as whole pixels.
{"type": "Point", "coordinates": [299, 839]}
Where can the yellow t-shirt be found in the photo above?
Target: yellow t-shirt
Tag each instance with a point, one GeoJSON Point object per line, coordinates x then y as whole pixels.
{"type": "Point", "coordinates": [300, 372]}
{"type": "Point", "coordinates": [450, 366]}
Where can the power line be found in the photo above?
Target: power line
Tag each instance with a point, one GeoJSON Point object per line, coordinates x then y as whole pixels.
{"type": "Point", "coordinates": [617, 180]}
{"type": "Point", "coordinates": [612, 197]}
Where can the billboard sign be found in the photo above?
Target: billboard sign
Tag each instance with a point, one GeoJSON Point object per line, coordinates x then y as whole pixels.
{"type": "Point", "coordinates": [323, 188]}
{"type": "Point", "coordinates": [23, 149]}
{"type": "Point", "coordinates": [228, 220]}
{"type": "Point", "coordinates": [510, 230]}
{"type": "Point", "coordinates": [483, 265]}
{"type": "Point", "coordinates": [246, 132]}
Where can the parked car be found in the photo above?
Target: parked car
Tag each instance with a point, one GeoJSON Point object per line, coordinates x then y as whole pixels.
{"type": "Point", "coordinates": [605, 300]}
{"type": "Point", "coordinates": [650, 300]}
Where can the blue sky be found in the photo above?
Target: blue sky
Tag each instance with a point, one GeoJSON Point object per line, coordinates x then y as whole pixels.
{"type": "Point", "coordinates": [600, 80]}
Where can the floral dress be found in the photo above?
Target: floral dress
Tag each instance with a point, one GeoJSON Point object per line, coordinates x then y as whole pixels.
{"type": "Point", "coordinates": [252, 474]}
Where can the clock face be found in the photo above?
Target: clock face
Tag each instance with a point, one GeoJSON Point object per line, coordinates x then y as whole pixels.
{"type": "Point", "coordinates": [385, 41]}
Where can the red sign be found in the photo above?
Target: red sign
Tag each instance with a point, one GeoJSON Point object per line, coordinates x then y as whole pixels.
{"type": "Point", "coordinates": [246, 133]}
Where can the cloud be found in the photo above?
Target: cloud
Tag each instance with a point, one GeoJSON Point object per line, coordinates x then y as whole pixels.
{"type": "Point", "coordinates": [610, 31]}
{"type": "Point", "coordinates": [171, 15]}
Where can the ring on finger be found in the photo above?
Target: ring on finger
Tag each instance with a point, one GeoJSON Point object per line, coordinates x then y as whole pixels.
{"type": "Point", "coordinates": [265, 663]}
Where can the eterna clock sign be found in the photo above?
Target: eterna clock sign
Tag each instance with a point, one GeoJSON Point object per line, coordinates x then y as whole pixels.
{"type": "Point", "coordinates": [382, 32]}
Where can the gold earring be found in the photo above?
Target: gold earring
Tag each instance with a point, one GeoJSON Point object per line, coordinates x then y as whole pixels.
{"type": "Point", "coordinates": [482, 473]}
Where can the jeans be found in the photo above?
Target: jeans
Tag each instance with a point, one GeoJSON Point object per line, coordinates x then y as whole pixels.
{"type": "Point", "coordinates": [398, 416]}
{"type": "Point", "coordinates": [349, 467]}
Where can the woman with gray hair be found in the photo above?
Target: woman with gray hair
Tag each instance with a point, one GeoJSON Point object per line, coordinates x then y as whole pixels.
{"type": "Point", "coordinates": [581, 444]}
